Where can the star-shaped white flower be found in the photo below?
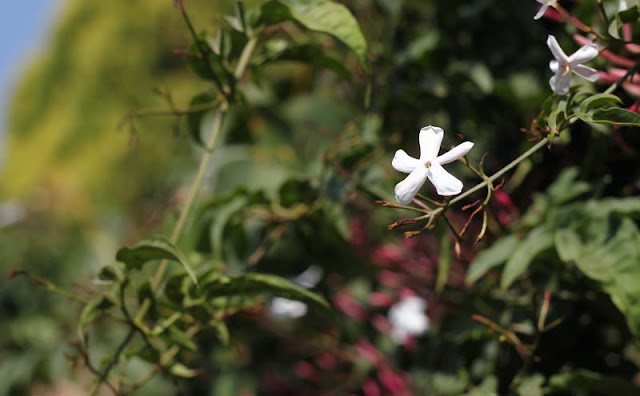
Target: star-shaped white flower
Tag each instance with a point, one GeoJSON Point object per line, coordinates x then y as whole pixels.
{"type": "Point", "coordinates": [564, 65]}
{"type": "Point", "coordinates": [407, 318]}
{"type": "Point", "coordinates": [429, 166]}
{"type": "Point", "coordinates": [545, 4]}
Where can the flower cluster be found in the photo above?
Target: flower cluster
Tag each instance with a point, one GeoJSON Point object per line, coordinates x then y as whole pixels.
{"type": "Point", "coordinates": [429, 164]}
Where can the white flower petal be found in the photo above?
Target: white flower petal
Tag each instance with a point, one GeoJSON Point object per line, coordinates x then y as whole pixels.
{"type": "Point", "coordinates": [310, 277]}
{"type": "Point", "coordinates": [622, 5]}
{"type": "Point", "coordinates": [408, 318]}
{"type": "Point", "coordinates": [554, 66]}
{"type": "Point", "coordinates": [457, 152]}
{"type": "Point", "coordinates": [285, 308]}
{"type": "Point", "coordinates": [409, 187]}
{"type": "Point", "coordinates": [430, 141]}
{"type": "Point", "coordinates": [584, 55]}
{"type": "Point", "coordinates": [586, 72]}
{"type": "Point", "coordinates": [560, 83]}
{"type": "Point", "coordinates": [445, 183]}
{"type": "Point", "coordinates": [403, 162]}
{"type": "Point", "coordinates": [557, 52]}
{"type": "Point", "coordinates": [541, 12]}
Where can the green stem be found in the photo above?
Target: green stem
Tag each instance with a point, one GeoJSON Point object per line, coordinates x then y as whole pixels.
{"type": "Point", "coordinates": [195, 186]}
{"type": "Point", "coordinates": [491, 179]}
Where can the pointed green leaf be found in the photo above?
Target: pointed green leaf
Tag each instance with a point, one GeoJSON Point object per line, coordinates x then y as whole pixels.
{"type": "Point", "coordinates": [152, 250]}
{"type": "Point", "coordinates": [599, 100]}
{"type": "Point", "coordinates": [179, 337]}
{"type": "Point", "coordinates": [320, 15]}
{"type": "Point", "coordinates": [491, 257]}
{"type": "Point", "coordinates": [217, 285]}
{"type": "Point", "coordinates": [616, 116]}
{"type": "Point", "coordinates": [537, 241]}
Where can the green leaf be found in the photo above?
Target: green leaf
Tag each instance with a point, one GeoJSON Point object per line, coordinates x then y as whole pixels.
{"type": "Point", "coordinates": [91, 311]}
{"type": "Point", "coordinates": [566, 188]}
{"type": "Point", "coordinates": [180, 370]}
{"type": "Point", "coordinates": [609, 254]}
{"type": "Point", "coordinates": [624, 206]}
{"type": "Point", "coordinates": [491, 257]}
{"type": "Point", "coordinates": [598, 101]}
{"type": "Point", "coordinates": [152, 250]}
{"type": "Point", "coordinates": [179, 337]}
{"type": "Point", "coordinates": [308, 53]}
{"type": "Point", "coordinates": [221, 329]}
{"type": "Point", "coordinates": [217, 285]}
{"type": "Point", "coordinates": [616, 116]}
{"type": "Point", "coordinates": [531, 386]}
{"type": "Point", "coordinates": [588, 382]}
{"type": "Point", "coordinates": [322, 16]}
{"type": "Point", "coordinates": [537, 241]}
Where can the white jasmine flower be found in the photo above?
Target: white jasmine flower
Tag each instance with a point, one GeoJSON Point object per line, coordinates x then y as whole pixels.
{"type": "Point", "coordinates": [429, 166]}
{"type": "Point", "coordinates": [408, 318]}
{"type": "Point", "coordinates": [564, 65]}
{"type": "Point", "coordinates": [286, 308]}
{"type": "Point", "coordinates": [545, 4]}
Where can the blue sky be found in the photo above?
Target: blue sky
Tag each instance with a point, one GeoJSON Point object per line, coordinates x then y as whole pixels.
{"type": "Point", "coordinates": [24, 27]}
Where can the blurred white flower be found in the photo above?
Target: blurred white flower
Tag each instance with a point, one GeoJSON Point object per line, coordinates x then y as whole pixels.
{"type": "Point", "coordinates": [286, 308]}
{"type": "Point", "coordinates": [545, 4]}
{"type": "Point", "coordinates": [428, 166]}
{"type": "Point", "coordinates": [309, 278]}
{"type": "Point", "coordinates": [622, 5]}
{"type": "Point", "coordinates": [408, 318]}
{"type": "Point", "coordinates": [564, 65]}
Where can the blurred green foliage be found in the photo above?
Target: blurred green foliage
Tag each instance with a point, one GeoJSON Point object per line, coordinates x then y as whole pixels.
{"type": "Point", "coordinates": [303, 153]}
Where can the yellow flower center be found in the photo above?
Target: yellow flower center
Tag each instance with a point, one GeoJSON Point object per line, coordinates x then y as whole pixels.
{"type": "Point", "coordinates": [427, 164]}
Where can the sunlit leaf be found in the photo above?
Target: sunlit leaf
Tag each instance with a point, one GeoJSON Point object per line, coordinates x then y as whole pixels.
{"type": "Point", "coordinates": [153, 250]}
{"type": "Point", "coordinates": [322, 16]}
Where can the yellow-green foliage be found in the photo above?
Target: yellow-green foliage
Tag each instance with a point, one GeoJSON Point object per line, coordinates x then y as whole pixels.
{"type": "Point", "coordinates": [104, 59]}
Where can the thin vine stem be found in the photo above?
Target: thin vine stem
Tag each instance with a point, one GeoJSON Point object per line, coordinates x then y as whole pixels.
{"type": "Point", "coordinates": [197, 183]}
{"type": "Point", "coordinates": [492, 178]}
